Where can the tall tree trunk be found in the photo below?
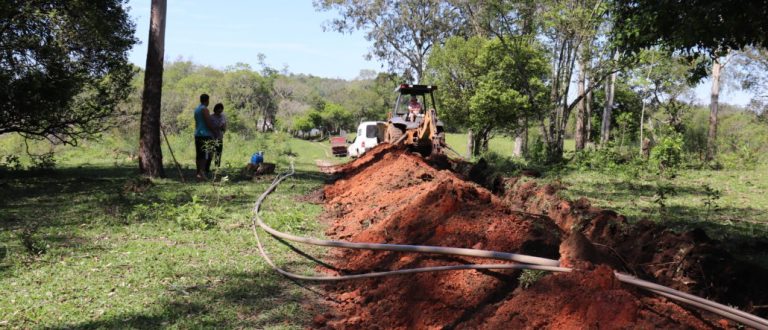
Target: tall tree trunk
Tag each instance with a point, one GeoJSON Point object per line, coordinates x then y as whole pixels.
{"type": "Point", "coordinates": [588, 117]}
{"type": "Point", "coordinates": [485, 138]}
{"type": "Point", "coordinates": [150, 153]}
{"type": "Point", "coordinates": [642, 126]}
{"type": "Point", "coordinates": [264, 124]}
{"type": "Point", "coordinates": [521, 139]}
{"type": "Point", "coordinates": [643, 144]}
{"type": "Point", "coordinates": [581, 133]}
{"type": "Point", "coordinates": [605, 128]}
{"type": "Point", "coordinates": [470, 143]}
{"type": "Point", "coordinates": [713, 104]}
{"type": "Point", "coordinates": [477, 144]}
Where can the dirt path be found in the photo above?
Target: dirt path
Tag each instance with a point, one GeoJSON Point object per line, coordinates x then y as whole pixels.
{"type": "Point", "coordinates": [325, 166]}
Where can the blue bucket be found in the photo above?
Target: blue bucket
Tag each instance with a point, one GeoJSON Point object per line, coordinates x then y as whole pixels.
{"type": "Point", "coordinates": [257, 158]}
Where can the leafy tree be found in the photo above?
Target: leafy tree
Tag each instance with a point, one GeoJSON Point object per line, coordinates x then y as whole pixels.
{"type": "Point", "coordinates": [564, 28]}
{"type": "Point", "coordinates": [663, 80]}
{"type": "Point", "coordinates": [749, 71]}
{"type": "Point", "coordinates": [695, 27]}
{"type": "Point", "coordinates": [243, 90]}
{"type": "Point", "coordinates": [336, 117]}
{"type": "Point", "coordinates": [368, 97]}
{"type": "Point", "coordinates": [402, 31]}
{"type": "Point", "coordinates": [568, 29]}
{"type": "Point", "coordinates": [451, 67]}
{"type": "Point", "coordinates": [626, 111]}
{"type": "Point", "coordinates": [309, 120]}
{"type": "Point", "coordinates": [483, 91]}
{"type": "Point", "coordinates": [265, 97]}
{"type": "Point", "coordinates": [63, 66]}
{"type": "Point", "coordinates": [710, 27]}
{"type": "Point", "coordinates": [303, 123]}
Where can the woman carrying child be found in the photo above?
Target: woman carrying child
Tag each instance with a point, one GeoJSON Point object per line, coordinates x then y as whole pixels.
{"type": "Point", "coordinates": [219, 122]}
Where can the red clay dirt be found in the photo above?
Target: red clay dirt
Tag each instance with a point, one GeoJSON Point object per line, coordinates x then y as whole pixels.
{"type": "Point", "coordinates": [392, 196]}
{"type": "Point", "coordinates": [688, 261]}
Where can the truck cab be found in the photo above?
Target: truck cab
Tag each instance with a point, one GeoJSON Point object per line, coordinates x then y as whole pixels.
{"type": "Point", "coordinates": [369, 134]}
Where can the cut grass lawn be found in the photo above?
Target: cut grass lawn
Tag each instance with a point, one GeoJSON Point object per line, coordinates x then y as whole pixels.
{"type": "Point", "coordinates": [95, 246]}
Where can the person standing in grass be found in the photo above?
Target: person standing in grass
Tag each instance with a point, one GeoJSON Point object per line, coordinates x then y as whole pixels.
{"type": "Point", "coordinates": [219, 122]}
{"type": "Point", "coordinates": [203, 137]}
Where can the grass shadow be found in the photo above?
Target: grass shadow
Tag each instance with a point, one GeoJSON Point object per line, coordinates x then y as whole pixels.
{"type": "Point", "coordinates": [722, 224]}
{"type": "Point", "coordinates": [627, 190]}
{"type": "Point", "coordinates": [25, 184]}
{"type": "Point", "coordinates": [243, 300]}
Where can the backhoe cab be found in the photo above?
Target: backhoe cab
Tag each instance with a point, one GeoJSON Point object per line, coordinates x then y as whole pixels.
{"type": "Point", "coordinates": [415, 126]}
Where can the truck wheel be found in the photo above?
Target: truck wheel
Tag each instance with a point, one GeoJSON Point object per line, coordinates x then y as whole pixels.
{"type": "Point", "coordinates": [393, 134]}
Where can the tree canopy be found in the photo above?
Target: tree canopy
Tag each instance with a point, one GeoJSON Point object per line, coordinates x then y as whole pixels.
{"type": "Point", "coordinates": [481, 87]}
{"type": "Point", "coordinates": [696, 26]}
{"type": "Point", "coordinates": [63, 66]}
{"type": "Point", "coordinates": [402, 32]}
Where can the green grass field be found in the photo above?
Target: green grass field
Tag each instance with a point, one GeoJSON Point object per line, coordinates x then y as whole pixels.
{"type": "Point", "coordinates": [92, 245]}
{"type": "Point", "coordinates": [501, 145]}
{"type": "Point", "coordinates": [728, 204]}
{"type": "Point", "coordinates": [724, 202]}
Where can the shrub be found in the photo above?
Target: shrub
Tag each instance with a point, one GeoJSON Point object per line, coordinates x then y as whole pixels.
{"type": "Point", "coordinates": [667, 155]}
{"type": "Point", "coordinates": [529, 276]}
{"type": "Point", "coordinates": [194, 215]}
{"type": "Point", "coordinates": [46, 161]}
{"type": "Point", "coordinates": [537, 152]}
{"type": "Point", "coordinates": [11, 162]}
{"type": "Point", "coordinates": [34, 246]}
{"type": "Point", "coordinates": [744, 158]}
{"type": "Point", "coordinates": [501, 163]}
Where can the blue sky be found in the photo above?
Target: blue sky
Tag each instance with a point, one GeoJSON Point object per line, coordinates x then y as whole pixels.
{"type": "Point", "coordinates": [224, 32]}
{"type": "Point", "coordinates": [289, 33]}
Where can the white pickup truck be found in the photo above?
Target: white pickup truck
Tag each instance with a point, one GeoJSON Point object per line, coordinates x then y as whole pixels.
{"type": "Point", "coordinates": [369, 134]}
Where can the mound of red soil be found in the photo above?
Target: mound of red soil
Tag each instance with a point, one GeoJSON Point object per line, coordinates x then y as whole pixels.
{"type": "Point", "coordinates": [583, 300]}
{"type": "Point", "coordinates": [687, 261]}
{"type": "Point", "coordinates": [392, 196]}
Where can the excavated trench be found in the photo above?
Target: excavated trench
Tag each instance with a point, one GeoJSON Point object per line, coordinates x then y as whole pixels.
{"type": "Point", "coordinates": [392, 196]}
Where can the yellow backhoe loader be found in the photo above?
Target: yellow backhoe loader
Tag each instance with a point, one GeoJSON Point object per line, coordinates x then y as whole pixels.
{"type": "Point", "coordinates": [413, 121]}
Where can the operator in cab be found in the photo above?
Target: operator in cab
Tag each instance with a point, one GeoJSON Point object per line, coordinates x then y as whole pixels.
{"type": "Point", "coordinates": [414, 108]}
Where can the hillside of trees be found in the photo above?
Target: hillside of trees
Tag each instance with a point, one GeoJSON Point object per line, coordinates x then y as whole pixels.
{"type": "Point", "coordinates": [264, 100]}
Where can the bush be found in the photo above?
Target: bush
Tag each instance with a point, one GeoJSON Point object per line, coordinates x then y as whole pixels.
{"type": "Point", "coordinates": [530, 276]}
{"type": "Point", "coordinates": [744, 158]}
{"type": "Point", "coordinates": [46, 161]}
{"type": "Point", "coordinates": [537, 152]}
{"type": "Point", "coordinates": [603, 158]}
{"type": "Point", "coordinates": [500, 163]}
{"type": "Point", "coordinates": [32, 244]}
{"type": "Point", "coordinates": [668, 154]}
{"type": "Point", "coordinates": [608, 160]}
{"type": "Point", "coordinates": [195, 215]}
{"type": "Point", "coordinates": [192, 215]}
{"type": "Point", "coordinates": [11, 162]}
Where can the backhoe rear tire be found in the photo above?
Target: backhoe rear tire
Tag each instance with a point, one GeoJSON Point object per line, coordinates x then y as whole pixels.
{"type": "Point", "coordinates": [438, 143]}
{"type": "Point", "coordinates": [393, 134]}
